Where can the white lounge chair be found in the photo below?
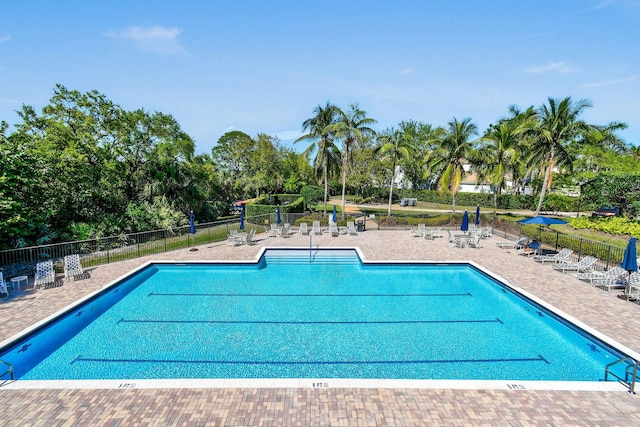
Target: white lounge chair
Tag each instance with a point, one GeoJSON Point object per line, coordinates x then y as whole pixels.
{"type": "Point", "coordinates": [561, 256]}
{"type": "Point", "coordinates": [286, 230]}
{"type": "Point", "coordinates": [351, 228]}
{"type": "Point", "coordinates": [73, 267]}
{"type": "Point", "coordinates": [416, 232]}
{"type": "Point", "coordinates": [333, 229]}
{"type": "Point", "coordinates": [519, 244]}
{"type": "Point", "coordinates": [317, 230]}
{"type": "Point", "coordinates": [592, 276]}
{"type": "Point", "coordinates": [583, 265]}
{"type": "Point", "coordinates": [304, 229]}
{"type": "Point", "coordinates": [45, 274]}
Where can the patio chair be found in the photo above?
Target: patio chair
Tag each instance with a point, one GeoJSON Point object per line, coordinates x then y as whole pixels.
{"type": "Point", "coordinates": [45, 274]}
{"type": "Point", "coordinates": [633, 283]}
{"type": "Point", "coordinates": [583, 265]}
{"type": "Point", "coordinates": [450, 236]}
{"type": "Point", "coordinates": [333, 229]}
{"type": "Point", "coordinates": [416, 232]}
{"type": "Point", "coordinates": [4, 292]}
{"type": "Point", "coordinates": [487, 232]}
{"type": "Point", "coordinates": [304, 229]}
{"type": "Point", "coordinates": [519, 244]}
{"type": "Point", "coordinates": [475, 241]}
{"type": "Point", "coordinates": [317, 230]}
{"type": "Point", "coordinates": [286, 230]}
{"type": "Point", "coordinates": [613, 274]}
{"type": "Point", "coordinates": [351, 228]}
{"type": "Point", "coordinates": [561, 256]}
{"type": "Point", "coordinates": [73, 267]}
{"type": "Point", "coordinates": [251, 237]}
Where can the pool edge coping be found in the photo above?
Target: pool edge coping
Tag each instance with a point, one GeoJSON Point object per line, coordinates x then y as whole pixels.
{"type": "Point", "coordinates": [304, 382]}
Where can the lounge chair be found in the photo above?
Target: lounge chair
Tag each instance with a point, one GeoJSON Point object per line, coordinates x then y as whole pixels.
{"type": "Point", "coordinates": [593, 276]}
{"type": "Point", "coordinates": [351, 228]}
{"type": "Point", "coordinates": [519, 244]}
{"type": "Point", "coordinates": [286, 230]}
{"type": "Point", "coordinates": [317, 230]}
{"type": "Point", "coordinates": [532, 249]}
{"type": "Point", "coordinates": [73, 267]}
{"type": "Point", "coordinates": [4, 292]}
{"type": "Point", "coordinates": [45, 274]}
{"type": "Point", "coordinates": [561, 256]}
{"type": "Point", "coordinates": [583, 265]}
{"type": "Point", "coordinates": [487, 232]}
{"type": "Point", "coordinates": [304, 229]}
{"type": "Point", "coordinates": [416, 232]}
{"type": "Point", "coordinates": [333, 229]}
{"type": "Point", "coordinates": [611, 283]}
{"type": "Point", "coordinates": [450, 236]}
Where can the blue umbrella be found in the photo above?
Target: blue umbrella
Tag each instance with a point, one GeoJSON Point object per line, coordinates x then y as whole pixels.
{"type": "Point", "coordinates": [465, 222]}
{"type": "Point", "coordinates": [242, 219]}
{"type": "Point", "coordinates": [629, 262]}
{"type": "Point", "coordinates": [278, 219]}
{"type": "Point", "coordinates": [192, 223]}
{"type": "Point", "coordinates": [335, 214]}
{"type": "Point", "coordinates": [542, 220]}
{"type": "Point", "coordinates": [478, 215]}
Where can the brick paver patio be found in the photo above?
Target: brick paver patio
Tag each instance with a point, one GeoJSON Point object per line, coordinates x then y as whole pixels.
{"type": "Point", "coordinates": [606, 312]}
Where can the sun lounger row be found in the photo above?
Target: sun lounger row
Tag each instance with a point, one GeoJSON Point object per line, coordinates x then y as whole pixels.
{"type": "Point", "coordinates": [333, 229]}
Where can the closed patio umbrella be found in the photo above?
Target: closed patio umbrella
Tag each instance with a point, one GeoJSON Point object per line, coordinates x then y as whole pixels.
{"type": "Point", "coordinates": [465, 222]}
{"type": "Point", "coordinates": [242, 219]}
{"type": "Point", "coordinates": [478, 215]}
{"type": "Point", "coordinates": [629, 261]}
{"type": "Point", "coordinates": [192, 230]}
{"type": "Point", "coordinates": [335, 214]}
{"type": "Point", "coordinates": [278, 219]}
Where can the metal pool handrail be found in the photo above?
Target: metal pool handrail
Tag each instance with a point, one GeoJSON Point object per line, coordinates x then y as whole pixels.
{"type": "Point", "coordinates": [10, 371]}
{"type": "Point", "coordinates": [633, 364]}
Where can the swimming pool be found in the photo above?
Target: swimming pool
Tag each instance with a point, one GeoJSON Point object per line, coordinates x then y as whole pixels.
{"type": "Point", "coordinates": [289, 316]}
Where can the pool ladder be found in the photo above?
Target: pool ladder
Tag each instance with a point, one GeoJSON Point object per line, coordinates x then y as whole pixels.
{"type": "Point", "coordinates": [631, 371]}
{"type": "Point", "coordinates": [10, 371]}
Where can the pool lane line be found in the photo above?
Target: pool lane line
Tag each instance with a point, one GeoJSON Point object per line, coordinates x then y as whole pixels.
{"type": "Point", "coordinates": [539, 358]}
{"type": "Point", "coordinates": [294, 322]}
{"type": "Point", "coordinates": [151, 294]}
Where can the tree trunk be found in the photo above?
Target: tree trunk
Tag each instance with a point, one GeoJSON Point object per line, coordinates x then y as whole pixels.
{"type": "Point", "coordinates": [326, 186]}
{"type": "Point", "coordinates": [344, 184]}
{"type": "Point", "coordinates": [547, 174]}
{"type": "Point", "coordinates": [393, 178]}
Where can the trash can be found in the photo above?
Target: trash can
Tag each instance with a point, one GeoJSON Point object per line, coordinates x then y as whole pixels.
{"type": "Point", "coordinates": [360, 225]}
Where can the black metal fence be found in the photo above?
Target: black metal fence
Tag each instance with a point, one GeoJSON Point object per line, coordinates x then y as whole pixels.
{"type": "Point", "coordinates": [22, 261]}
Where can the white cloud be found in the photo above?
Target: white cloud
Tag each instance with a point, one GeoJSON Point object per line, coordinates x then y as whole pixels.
{"type": "Point", "coordinates": [612, 82]}
{"type": "Point", "coordinates": [561, 67]}
{"type": "Point", "coordinates": [155, 39]}
{"type": "Point", "coordinates": [5, 38]}
{"type": "Point", "coordinates": [288, 135]}
{"type": "Point", "coordinates": [408, 71]}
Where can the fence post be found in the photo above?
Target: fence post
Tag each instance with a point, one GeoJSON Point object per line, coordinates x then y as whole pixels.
{"type": "Point", "coordinates": [580, 249]}
{"type": "Point", "coordinates": [558, 238]}
{"type": "Point", "coordinates": [608, 256]}
{"type": "Point", "coordinates": [164, 233]}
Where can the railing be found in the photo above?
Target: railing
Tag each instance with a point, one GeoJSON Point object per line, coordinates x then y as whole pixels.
{"type": "Point", "coordinates": [10, 371]}
{"type": "Point", "coordinates": [22, 261]}
{"type": "Point", "coordinates": [632, 365]}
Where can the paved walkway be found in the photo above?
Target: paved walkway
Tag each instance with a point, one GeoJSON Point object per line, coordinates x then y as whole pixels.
{"type": "Point", "coordinates": [603, 311]}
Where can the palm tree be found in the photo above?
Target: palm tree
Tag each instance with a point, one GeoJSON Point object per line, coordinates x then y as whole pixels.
{"type": "Point", "coordinates": [454, 147]}
{"type": "Point", "coordinates": [351, 127]}
{"type": "Point", "coordinates": [496, 156]}
{"type": "Point", "coordinates": [319, 132]}
{"type": "Point", "coordinates": [395, 145]}
{"type": "Point", "coordinates": [558, 126]}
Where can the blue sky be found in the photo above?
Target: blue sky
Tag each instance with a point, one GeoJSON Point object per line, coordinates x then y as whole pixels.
{"type": "Point", "coordinates": [262, 66]}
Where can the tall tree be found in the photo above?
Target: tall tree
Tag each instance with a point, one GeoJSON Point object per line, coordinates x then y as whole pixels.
{"type": "Point", "coordinates": [454, 146]}
{"type": "Point", "coordinates": [319, 131]}
{"type": "Point", "coordinates": [394, 145]}
{"type": "Point", "coordinates": [558, 127]}
{"type": "Point", "coordinates": [351, 127]}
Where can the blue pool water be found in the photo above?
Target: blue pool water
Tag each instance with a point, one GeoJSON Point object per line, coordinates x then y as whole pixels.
{"type": "Point", "coordinates": [286, 317]}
